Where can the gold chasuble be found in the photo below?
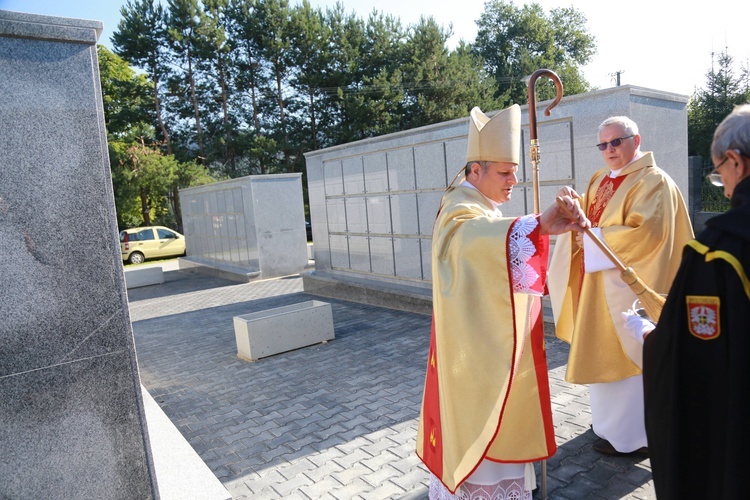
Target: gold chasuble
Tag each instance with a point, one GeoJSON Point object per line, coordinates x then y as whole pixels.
{"type": "Point", "coordinates": [486, 391]}
{"type": "Point", "coordinates": [643, 219]}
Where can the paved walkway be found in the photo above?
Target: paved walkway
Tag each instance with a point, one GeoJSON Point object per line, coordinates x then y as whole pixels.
{"type": "Point", "coordinates": [335, 420]}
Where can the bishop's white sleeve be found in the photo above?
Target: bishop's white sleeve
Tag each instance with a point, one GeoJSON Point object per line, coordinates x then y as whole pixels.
{"type": "Point", "coordinates": [527, 256]}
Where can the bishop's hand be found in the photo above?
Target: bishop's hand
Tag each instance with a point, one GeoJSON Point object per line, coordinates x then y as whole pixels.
{"type": "Point", "coordinates": [562, 216]}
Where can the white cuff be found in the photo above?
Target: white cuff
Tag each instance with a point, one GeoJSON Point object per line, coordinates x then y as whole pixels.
{"type": "Point", "coordinates": [594, 259]}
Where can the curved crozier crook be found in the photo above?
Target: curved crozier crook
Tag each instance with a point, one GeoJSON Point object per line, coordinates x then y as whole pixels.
{"type": "Point", "coordinates": [532, 96]}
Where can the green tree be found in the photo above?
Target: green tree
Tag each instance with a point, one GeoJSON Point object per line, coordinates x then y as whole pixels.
{"type": "Point", "coordinates": [144, 179]}
{"type": "Point", "coordinates": [128, 113]}
{"type": "Point", "coordinates": [127, 97]}
{"type": "Point", "coordinates": [347, 33]}
{"type": "Point", "coordinates": [370, 99]}
{"type": "Point", "coordinates": [707, 108]}
{"type": "Point", "coordinates": [248, 86]}
{"type": "Point", "coordinates": [311, 55]}
{"type": "Point", "coordinates": [127, 194]}
{"type": "Point", "coordinates": [514, 42]}
{"type": "Point", "coordinates": [152, 176]}
{"type": "Point", "coordinates": [252, 83]}
{"type": "Point", "coordinates": [274, 18]}
{"type": "Point", "coordinates": [182, 24]}
{"type": "Point", "coordinates": [139, 39]}
{"type": "Point", "coordinates": [216, 64]}
{"type": "Point", "coordinates": [441, 85]}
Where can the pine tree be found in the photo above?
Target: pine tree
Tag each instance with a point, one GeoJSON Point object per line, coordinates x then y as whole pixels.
{"type": "Point", "coordinates": [139, 39]}
{"type": "Point", "coordinates": [707, 108]}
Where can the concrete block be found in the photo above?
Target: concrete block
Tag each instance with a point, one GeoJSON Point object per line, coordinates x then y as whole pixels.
{"type": "Point", "coordinates": [135, 278]}
{"type": "Point", "coordinates": [282, 329]}
{"type": "Point", "coordinates": [181, 473]}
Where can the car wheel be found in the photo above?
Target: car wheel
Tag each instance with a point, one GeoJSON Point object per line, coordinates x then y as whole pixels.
{"type": "Point", "coordinates": [136, 258]}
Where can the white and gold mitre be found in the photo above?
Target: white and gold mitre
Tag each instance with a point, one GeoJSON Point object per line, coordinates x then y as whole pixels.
{"type": "Point", "coordinates": [497, 138]}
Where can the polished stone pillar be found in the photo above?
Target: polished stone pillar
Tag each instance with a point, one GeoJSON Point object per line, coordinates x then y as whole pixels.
{"type": "Point", "coordinates": [72, 419]}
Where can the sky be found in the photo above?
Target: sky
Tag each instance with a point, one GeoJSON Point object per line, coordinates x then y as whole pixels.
{"type": "Point", "coordinates": [661, 45]}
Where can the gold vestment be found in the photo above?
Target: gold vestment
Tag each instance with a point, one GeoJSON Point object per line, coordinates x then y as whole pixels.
{"type": "Point", "coordinates": [486, 390]}
{"type": "Point", "coordinates": [646, 224]}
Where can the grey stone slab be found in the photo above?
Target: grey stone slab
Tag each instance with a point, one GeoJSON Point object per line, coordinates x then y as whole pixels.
{"type": "Point", "coordinates": [73, 423]}
{"type": "Point", "coordinates": [67, 431]}
{"type": "Point", "coordinates": [37, 27]}
{"type": "Point", "coordinates": [430, 166]}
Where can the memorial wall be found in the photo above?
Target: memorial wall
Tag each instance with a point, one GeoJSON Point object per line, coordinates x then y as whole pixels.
{"type": "Point", "coordinates": [373, 202]}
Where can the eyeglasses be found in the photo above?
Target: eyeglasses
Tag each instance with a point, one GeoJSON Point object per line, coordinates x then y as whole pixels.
{"type": "Point", "coordinates": [715, 177]}
{"type": "Point", "coordinates": [615, 143]}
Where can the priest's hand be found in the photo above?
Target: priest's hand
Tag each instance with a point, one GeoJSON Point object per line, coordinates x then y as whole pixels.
{"type": "Point", "coordinates": [558, 219]}
{"type": "Point", "coordinates": [569, 191]}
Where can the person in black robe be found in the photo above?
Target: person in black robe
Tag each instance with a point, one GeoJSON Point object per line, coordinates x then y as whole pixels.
{"type": "Point", "coordinates": [696, 371]}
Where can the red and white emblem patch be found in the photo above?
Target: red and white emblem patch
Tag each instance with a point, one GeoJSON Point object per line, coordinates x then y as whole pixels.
{"type": "Point", "coordinates": [703, 316]}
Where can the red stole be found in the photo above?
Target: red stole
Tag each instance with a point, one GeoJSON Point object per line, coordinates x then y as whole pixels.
{"type": "Point", "coordinates": [604, 193]}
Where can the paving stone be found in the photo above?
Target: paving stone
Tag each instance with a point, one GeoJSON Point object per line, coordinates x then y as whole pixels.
{"type": "Point", "coordinates": [355, 489]}
{"type": "Point", "coordinates": [385, 457]}
{"type": "Point", "coordinates": [381, 474]}
{"type": "Point", "coordinates": [296, 468]}
{"type": "Point", "coordinates": [290, 486]}
{"type": "Point", "coordinates": [386, 490]}
{"type": "Point", "coordinates": [298, 443]}
{"type": "Point", "coordinates": [334, 430]}
{"type": "Point", "coordinates": [357, 457]}
{"type": "Point", "coordinates": [325, 456]}
{"type": "Point", "coordinates": [349, 474]}
{"type": "Point", "coordinates": [355, 433]}
{"type": "Point", "coordinates": [323, 473]}
{"type": "Point", "coordinates": [249, 449]}
{"type": "Point", "coordinates": [335, 421]}
{"type": "Point", "coordinates": [275, 453]}
{"type": "Point", "coordinates": [379, 446]}
{"type": "Point", "coordinates": [407, 464]}
{"type": "Point", "coordinates": [264, 479]}
{"type": "Point", "coordinates": [413, 477]}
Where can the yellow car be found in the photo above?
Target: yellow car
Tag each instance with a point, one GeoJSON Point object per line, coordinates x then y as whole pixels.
{"type": "Point", "coordinates": [141, 243]}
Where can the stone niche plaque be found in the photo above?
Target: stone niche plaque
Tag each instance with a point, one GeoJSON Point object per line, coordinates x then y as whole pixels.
{"type": "Point", "coordinates": [72, 419]}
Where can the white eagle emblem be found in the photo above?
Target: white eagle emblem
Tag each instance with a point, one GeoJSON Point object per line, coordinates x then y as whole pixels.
{"type": "Point", "coordinates": [703, 316]}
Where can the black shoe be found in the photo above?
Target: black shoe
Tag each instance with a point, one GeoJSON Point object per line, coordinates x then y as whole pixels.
{"type": "Point", "coordinates": [605, 448]}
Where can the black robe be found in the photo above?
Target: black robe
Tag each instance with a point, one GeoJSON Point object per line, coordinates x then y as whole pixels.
{"type": "Point", "coordinates": [696, 374]}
